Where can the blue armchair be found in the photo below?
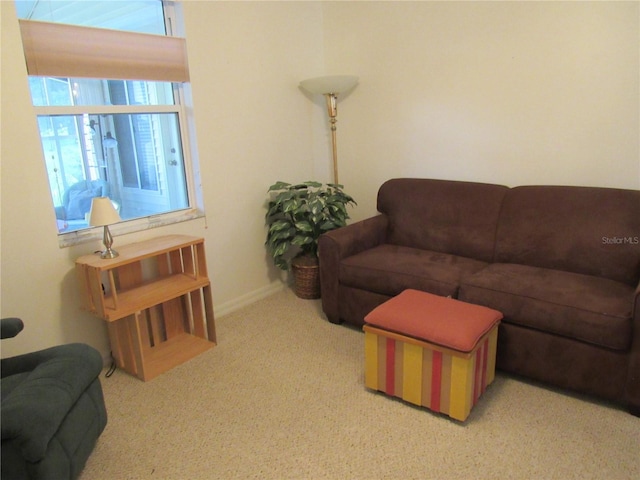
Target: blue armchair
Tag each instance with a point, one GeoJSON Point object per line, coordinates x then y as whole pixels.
{"type": "Point", "coordinates": [76, 201]}
{"type": "Point", "coordinates": [52, 410]}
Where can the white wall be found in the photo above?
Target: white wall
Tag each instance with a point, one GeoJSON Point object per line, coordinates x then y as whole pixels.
{"type": "Point", "coordinates": [501, 92]}
{"type": "Point", "coordinates": [513, 93]}
{"type": "Point", "coordinates": [253, 124]}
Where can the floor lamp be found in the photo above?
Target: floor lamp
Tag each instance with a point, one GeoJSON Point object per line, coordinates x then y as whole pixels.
{"type": "Point", "coordinates": [330, 86]}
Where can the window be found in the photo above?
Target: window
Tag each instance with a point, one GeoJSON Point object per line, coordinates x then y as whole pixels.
{"type": "Point", "coordinates": [119, 136]}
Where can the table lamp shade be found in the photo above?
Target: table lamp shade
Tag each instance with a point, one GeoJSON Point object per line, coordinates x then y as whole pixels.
{"type": "Point", "coordinates": [103, 212]}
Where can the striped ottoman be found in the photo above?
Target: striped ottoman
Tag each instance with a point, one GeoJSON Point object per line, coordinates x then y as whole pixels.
{"type": "Point", "coordinates": [431, 351]}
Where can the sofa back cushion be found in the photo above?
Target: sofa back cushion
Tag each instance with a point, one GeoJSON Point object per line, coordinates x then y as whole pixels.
{"type": "Point", "coordinates": [588, 230]}
{"type": "Point", "coordinates": [458, 218]}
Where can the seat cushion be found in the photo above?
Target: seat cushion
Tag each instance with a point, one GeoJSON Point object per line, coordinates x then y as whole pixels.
{"type": "Point", "coordinates": [390, 269]}
{"type": "Point", "coordinates": [582, 307]}
{"type": "Point", "coordinates": [444, 321]}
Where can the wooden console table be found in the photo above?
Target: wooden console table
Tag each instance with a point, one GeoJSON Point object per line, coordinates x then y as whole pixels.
{"type": "Point", "coordinates": [156, 299]}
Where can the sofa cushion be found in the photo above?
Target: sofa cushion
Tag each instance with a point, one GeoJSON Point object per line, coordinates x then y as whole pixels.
{"type": "Point", "coordinates": [587, 308]}
{"type": "Point", "coordinates": [390, 269]}
{"type": "Point", "coordinates": [588, 230]}
{"type": "Point", "coordinates": [452, 217]}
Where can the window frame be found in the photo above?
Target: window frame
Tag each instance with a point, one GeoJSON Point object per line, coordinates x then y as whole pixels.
{"type": "Point", "coordinates": [195, 210]}
{"type": "Point", "coordinates": [182, 107]}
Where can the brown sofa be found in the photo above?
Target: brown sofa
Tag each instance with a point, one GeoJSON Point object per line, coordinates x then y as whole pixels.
{"type": "Point", "coordinates": [561, 263]}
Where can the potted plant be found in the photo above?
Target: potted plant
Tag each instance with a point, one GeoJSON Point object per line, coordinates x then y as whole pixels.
{"type": "Point", "coordinates": [297, 215]}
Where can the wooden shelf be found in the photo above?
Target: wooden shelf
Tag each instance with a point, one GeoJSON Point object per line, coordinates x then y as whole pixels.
{"type": "Point", "coordinates": [136, 252]}
{"type": "Point", "coordinates": [156, 299]}
{"type": "Point", "coordinates": [173, 352]}
{"type": "Point", "coordinates": [146, 296]}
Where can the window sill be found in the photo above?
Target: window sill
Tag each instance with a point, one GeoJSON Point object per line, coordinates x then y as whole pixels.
{"type": "Point", "coordinates": [128, 226]}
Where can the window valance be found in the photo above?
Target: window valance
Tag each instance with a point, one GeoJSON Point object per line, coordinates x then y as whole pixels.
{"type": "Point", "coordinates": [60, 50]}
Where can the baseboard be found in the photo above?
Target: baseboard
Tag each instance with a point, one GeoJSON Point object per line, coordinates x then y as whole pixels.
{"type": "Point", "coordinates": [231, 306]}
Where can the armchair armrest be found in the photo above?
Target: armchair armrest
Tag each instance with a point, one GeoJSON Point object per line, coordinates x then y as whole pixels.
{"type": "Point", "coordinates": [33, 411]}
{"type": "Point", "coordinates": [10, 327]}
{"type": "Point", "coordinates": [343, 242]}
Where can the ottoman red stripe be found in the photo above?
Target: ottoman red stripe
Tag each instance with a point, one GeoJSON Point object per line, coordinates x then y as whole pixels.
{"type": "Point", "coordinates": [436, 381]}
{"type": "Point", "coordinates": [485, 359]}
{"type": "Point", "coordinates": [391, 370]}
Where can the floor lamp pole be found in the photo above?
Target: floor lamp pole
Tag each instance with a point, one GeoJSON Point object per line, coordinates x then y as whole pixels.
{"type": "Point", "coordinates": [332, 108]}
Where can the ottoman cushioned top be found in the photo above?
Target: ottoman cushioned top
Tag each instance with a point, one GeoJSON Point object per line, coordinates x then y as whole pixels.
{"type": "Point", "coordinates": [444, 321]}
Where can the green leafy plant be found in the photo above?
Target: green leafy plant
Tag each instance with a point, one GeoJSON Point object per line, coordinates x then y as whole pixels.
{"type": "Point", "coordinates": [298, 214]}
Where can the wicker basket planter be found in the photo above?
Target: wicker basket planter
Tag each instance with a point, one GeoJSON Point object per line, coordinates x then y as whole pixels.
{"type": "Point", "coordinates": [296, 216]}
{"type": "Point", "coordinates": [306, 275]}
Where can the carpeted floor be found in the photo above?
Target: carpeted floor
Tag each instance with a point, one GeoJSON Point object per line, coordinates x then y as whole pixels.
{"type": "Point", "coordinates": [282, 396]}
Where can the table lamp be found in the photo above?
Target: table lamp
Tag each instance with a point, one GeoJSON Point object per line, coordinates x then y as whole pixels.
{"type": "Point", "coordinates": [103, 213]}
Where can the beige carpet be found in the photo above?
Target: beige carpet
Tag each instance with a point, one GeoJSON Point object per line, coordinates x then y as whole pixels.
{"type": "Point", "coordinates": [282, 396]}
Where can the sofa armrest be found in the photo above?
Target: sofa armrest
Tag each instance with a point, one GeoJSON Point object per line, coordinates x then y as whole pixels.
{"type": "Point", "coordinates": [34, 410]}
{"type": "Point", "coordinates": [343, 242]}
{"type": "Point", "coordinates": [633, 375]}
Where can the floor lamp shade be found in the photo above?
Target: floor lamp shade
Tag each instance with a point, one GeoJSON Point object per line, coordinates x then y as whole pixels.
{"type": "Point", "coordinates": [330, 86]}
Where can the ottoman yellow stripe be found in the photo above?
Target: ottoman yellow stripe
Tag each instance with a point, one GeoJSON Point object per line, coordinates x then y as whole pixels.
{"type": "Point", "coordinates": [412, 374]}
{"type": "Point", "coordinates": [461, 386]}
{"type": "Point", "coordinates": [371, 360]}
{"type": "Point", "coordinates": [382, 363]}
{"type": "Point", "coordinates": [445, 385]}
